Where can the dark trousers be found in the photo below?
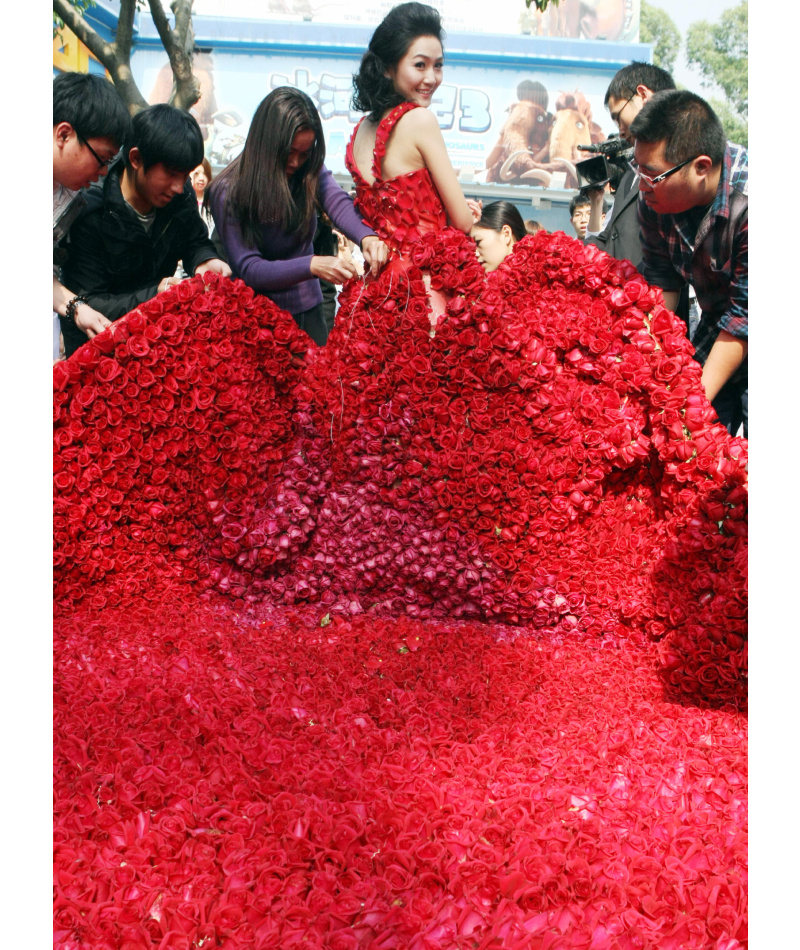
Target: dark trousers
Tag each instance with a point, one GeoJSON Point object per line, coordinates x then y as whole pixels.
{"type": "Point", "coordinates": [313, 322]}
{"type": "Point", "coordinates": [328, 303]}
{"type": "Point", "coordinates": [731, 406]}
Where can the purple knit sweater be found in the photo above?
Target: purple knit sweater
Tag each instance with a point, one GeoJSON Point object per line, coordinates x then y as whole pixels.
{"type": "Point", "coordinates": [285, 276]}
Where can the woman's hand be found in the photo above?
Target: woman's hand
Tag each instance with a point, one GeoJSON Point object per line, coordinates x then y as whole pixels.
{"type": "Point", "coordinates": [476, 209]}
{"type": "Point", "coordinates": [215, 265]}
{"type": "Point", "coordinates": [335, 270]}
{"type": "Point", "coordinates": [375, 252]}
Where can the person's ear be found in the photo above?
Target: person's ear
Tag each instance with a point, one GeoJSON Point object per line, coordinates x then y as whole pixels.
{"type": "Point", "coordinates": [62, 133]}
{"type": "Point", "coordinates": [506, 234]}
{"type": "Point", "coordinates": [644, 93]}
{"type": "Point", "coordinates": [702, 165]}
{"type": "Point", "coordinates": [135, 158]}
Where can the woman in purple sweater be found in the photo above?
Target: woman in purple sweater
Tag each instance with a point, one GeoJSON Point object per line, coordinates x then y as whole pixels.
{"type": "Point", "coordinates": [265, 202]}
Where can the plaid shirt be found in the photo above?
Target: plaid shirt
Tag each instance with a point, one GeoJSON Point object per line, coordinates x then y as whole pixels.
{"type": "Point", "coordinates": [714, 262]}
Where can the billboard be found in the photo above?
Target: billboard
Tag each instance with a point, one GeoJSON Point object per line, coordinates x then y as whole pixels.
{"type": "Point", "coordinates": [611, 20]}
{"type": "Point", "coordinates": [512, 124]}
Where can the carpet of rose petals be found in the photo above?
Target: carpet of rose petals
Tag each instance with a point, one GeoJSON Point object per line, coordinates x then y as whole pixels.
{"type": "Point", "coordinates": [420, 640]}
{"type": "Point", "coordinates": [384, 784]}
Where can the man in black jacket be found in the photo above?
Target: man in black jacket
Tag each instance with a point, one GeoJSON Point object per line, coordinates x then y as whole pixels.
{"type": "Point", "coordinates": [90, 123]}
{"type": "Point", "coordinates": [628, 91]}
{"type": "Point", "coordinates": [140, 221]}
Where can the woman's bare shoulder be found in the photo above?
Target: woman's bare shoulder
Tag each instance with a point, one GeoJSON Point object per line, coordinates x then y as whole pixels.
{"type": "Point", "coordinates": [418, 119]}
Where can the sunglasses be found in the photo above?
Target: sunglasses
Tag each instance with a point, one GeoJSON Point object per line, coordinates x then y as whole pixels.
{"type": "Point", "coordinates": [102, 162]}
{"type": "Point", "coordinates": [652, 182]}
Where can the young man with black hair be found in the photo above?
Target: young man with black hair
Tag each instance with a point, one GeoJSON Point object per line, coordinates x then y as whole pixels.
{"type": "Point", "coordinates": [693, 218]}
{"type": "Point", "coordinates": [627, 93]}
{"type": "Point", "coordinates": [579, 210]}
{"type": "Point", "coordinates": [143, 219]}
{"type": "Point", "coordinates": [90, 123]}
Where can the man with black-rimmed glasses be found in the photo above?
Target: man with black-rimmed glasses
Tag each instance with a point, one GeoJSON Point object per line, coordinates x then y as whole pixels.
{"type": "Point", "coordinates": [143, 219]}
{"type": "Point", "coordinates": [90, 123]}
{"type": "Point", "coordinates": [692, 212]}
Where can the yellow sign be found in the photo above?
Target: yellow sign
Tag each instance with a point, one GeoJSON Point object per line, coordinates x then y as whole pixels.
{"type": "Point", "coordinates": [70, 55]}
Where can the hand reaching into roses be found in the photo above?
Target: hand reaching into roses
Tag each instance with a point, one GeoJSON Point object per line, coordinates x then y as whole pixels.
{"type": "Point", "coordinates": [215, 265]}
{"type": "Point", "coordinates": [336, 270]}
{"type": "Point", "coordinates": [375, 252]}
{"type": "Point", "coordinates": [89, 320]}
{"type": "Point", "coordinates": [167, 282]}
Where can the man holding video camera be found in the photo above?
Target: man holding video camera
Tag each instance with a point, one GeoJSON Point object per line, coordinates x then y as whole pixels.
{"type": "Point", "coordinates": [628, 91]}
{"type": "Point", "coordinates": [693, 221]}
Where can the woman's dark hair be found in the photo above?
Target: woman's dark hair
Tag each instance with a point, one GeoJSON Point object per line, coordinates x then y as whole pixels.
{"type": "Point", "coordinates": [374, 91]}
{"type": "Point", "coordinates": [498, 213]}
{"type": "Point", "coordinates": [258, 189]}
{"type": "Point", "coordinates": [162, 133]}
{"type": "Point", "coordinates": [91, 105]}
{"type": "Point", "coordinates": [687, 124]}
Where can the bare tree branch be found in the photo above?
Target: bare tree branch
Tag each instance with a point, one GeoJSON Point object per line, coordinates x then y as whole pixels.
{"type": "Point", "coordinates": [162, 24]}
{"type": "Point", "coordinates": [186, 90]}
{"type": "Point", "coordinates": [183, 23]}
{"type": "Point", "coordinates": [124, 37]}
{"type": "Point", "coordinates": [116, 56]}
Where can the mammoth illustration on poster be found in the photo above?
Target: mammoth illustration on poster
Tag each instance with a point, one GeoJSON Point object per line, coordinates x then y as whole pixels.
{"type": "Point", "coordinates": [534, 144]}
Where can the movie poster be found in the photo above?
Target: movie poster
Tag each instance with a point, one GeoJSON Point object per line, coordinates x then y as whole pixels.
{"type": "Point", "coordinates": [513, 125]}
{"type": "Point", "coordinates": [611, 20]}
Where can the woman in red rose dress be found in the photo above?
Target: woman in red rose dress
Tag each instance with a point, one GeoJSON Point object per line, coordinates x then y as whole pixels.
{"type": "Point", "coordinates": [522, 422]}
{"type": "Point", "coordinates": [264, 552]}
{"type": "Point", "coordinates": [405, 183]}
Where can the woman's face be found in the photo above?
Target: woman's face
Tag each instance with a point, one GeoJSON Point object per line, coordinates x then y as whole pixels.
{"type": "Point", "coordinates": [199, 180]}
{"type": "Point", "coordinates": [302, 146]}
{"type": "Point", "coordinates": [418, 74]}
{"type": "Point", "coordinates": [492, 247]}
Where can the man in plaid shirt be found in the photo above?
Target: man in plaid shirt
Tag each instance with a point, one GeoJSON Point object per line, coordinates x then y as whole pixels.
{"type": "Point", "coordinates": [693, 222]}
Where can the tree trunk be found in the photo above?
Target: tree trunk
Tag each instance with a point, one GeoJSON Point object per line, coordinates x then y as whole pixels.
{"type": "Point", "coordinates": [116, 56]}
{"type": "Point", "coordinates": [179, 44]}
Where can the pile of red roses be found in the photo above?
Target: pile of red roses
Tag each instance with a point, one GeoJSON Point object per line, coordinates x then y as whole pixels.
{"type": "Point", "coordinates": [176, 434]}
{"type": "Point", "coordinates": [391, 785]}
{"type": "Point", "coordinates": [546, 455]}
{"type": "Point", "coordinates": [278, 721]}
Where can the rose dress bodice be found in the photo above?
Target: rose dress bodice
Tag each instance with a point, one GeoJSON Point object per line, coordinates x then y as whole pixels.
{"type": "Point", "coordinates": [401, 209]}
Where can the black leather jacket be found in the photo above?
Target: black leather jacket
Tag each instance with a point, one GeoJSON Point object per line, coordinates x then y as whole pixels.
{"type": "Point", "coordinates": [116, 263]}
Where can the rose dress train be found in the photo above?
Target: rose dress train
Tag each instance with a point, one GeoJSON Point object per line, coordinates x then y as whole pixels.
{"type": "Point", "coordinates": [432, 637]}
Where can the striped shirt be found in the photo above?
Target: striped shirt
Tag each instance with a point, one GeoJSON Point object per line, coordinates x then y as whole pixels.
{"type": "Point", "coordinates": [711, 255]}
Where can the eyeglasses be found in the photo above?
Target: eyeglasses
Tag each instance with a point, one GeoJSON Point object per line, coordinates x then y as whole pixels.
{"type": "Point", "coordinates": [615, 115]}
{"type": "Point", "coordinates": [102, 162]}
{"type": "Point", "coordinates": [652, 182]}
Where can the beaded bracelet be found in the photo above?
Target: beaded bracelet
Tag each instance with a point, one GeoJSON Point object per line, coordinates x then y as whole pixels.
{"type": "Point", "coordinates": [72, 306]}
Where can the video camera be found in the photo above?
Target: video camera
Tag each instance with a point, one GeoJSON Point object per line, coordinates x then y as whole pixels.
{"type": "Point", "coordinates": [608, 164]}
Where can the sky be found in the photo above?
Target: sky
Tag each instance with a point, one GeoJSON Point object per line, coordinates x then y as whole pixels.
{"type": "Point", "coordinates": [683, 13]}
